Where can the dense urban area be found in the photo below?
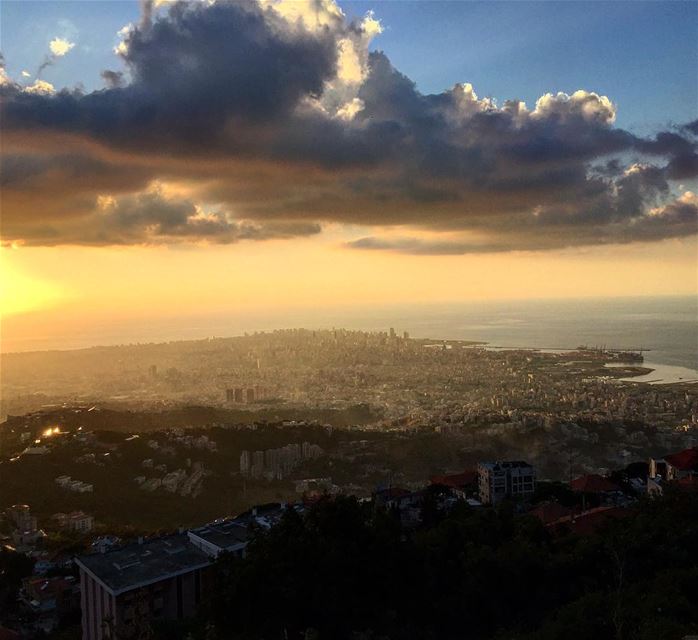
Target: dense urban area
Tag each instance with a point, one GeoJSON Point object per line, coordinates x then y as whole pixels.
{"type": "Point", "coordinates": [150, 490]}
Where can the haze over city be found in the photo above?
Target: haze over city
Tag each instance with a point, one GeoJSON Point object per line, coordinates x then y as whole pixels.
{"type": "Point", "coordinates": [301, 155]}
{"type": "Point", "coordinates": [348, 320]}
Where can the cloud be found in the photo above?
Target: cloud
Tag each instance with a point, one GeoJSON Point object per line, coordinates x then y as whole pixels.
{"type": "Point", "coordinates": [280, 112]}
{"type": "Point", "coordinates": [152, 217]}
{"type": "Point", "coordinates": [113, 79]}
{"type": "Point", "coordinates": [40, 88]}
{"type": "Point", "coordinates": [60, 46]}
{"type": "Point", "coordinates": [5, 80]}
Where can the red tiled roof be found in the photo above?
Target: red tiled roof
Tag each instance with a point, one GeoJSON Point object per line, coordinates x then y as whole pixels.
{"type": "Point", "coordinates": [41, 588]}
{"type": "Point", "coordinates": [548, 512]}
{"type": "Point", "coordinates": [456, 480]}
{"type": "Point", "coordinates": [686, 460]}
{"type": "Point", "coordinates": [590, 521]}
{"type": "Point", "coordinates": [593, 483]}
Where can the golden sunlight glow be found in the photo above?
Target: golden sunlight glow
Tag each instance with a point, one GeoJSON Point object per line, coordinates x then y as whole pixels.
{"type": "Point", "coordinates": [20, 293]}
{"type": "Point", "coordinates": [55, 297]}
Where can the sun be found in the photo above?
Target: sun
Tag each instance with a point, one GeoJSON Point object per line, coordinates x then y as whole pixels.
{"type": "Point", "coordinates": [20, 293]}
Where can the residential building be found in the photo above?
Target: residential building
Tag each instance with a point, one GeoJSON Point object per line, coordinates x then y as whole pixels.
{"type": "Point", "coordinates": [461, 484]}
{"type": "Point", "coordinates": [510, 479]}
{"type": "Point", "coordinates": [594, 483]}
{"type": "Point", "coordinates": [75, 521]}
{"type": "Point", "coordinates": [221, 537]}
{"type": "Point", "coordinates": [21, 516]}
{"type": "Point", "coordinates": [47, 595]}
{"type": "Point", "coordinates": [680, 468]}
{"type": "Point", "coordinates": [121, 590]}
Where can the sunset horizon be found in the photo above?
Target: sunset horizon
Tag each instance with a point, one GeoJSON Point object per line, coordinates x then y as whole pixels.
{"type": "Point", "coordinates": [567, 187]}
{"type": "Point", "coordinates": [348, 320]}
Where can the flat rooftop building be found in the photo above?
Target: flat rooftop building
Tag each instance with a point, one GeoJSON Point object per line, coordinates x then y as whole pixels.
{"type": "Point", "coordinates": [220, 537]}
{"type": "Point", "coordinates": [162, 578]}
{"type": "Point", "coordinates": [508, 479]}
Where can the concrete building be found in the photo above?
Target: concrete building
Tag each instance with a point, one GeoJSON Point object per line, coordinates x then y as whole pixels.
{"type": "Point", "coordinates": [675, 466]}
{"type": "Point", "coordinates": [123, 590]}
{"type": "Point", "coordinates": [75, 521]}
{"type": "Point", "coordinates": [22, 518]}
{"type": "Point", "coordinates": [220, 537]}
{"type": "Point", "coordinates": [680, 468]}
{"type": "Point", "coordinates": [499, 480]}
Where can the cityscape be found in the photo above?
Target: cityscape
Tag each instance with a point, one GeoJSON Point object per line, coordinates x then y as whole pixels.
{"type": "Point", "coordinates": [122, 469]}
{"type": "Point", "coordinates": [345, 320]}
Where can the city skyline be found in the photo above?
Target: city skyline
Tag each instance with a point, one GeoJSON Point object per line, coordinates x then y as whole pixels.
{"type": "Point", "coordinates": [164, 158]}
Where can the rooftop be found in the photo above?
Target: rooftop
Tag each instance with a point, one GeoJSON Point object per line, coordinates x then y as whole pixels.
{"type": "Point", "coordinates": [686, 460]}
{"type": "Point", "coordinates": [588, 522]}
{"type": "Point", "coordinates": [505, 464]}
{"type": "Point", "coordinates": [225, 535]}
{"type": "Point", "coordinates": [549, 512]}
{"type": "Point", "coordinates": [593, 483]}
{"type": "Point", "coordinates": [456, 480]}
{"type": "Point", "coordinates": [140, 564]}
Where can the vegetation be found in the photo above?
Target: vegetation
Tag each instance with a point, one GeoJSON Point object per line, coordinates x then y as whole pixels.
{"type": "Point", "coordinates": [13, 567]}
{"type": "Point", "coordinates": [347, 570]}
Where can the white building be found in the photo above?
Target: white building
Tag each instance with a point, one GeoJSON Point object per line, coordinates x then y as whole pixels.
{"type": "Point", "coordinates": [499, 480]}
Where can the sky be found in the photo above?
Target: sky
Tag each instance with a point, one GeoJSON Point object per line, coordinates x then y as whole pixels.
{"type": "Point", "coordinates": [164, 158]}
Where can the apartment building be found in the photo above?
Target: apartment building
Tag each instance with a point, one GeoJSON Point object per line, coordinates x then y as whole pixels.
{"type": "Point", "coordinates": [510, 479]}
{"type": "Point", "coordinates": [123, 590]}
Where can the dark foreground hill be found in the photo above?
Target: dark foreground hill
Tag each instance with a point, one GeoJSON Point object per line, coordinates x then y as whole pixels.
{"type": "Point", "coordinates": [348, 571]}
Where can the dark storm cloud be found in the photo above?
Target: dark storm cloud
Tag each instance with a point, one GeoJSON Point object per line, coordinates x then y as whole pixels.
{"type": "Point", "coordinates": [676, 219]}
{"type": "Point", "coordinates": [192, 73]}
{"type": "Point", "coordinates": [253, 111]}
{"type": "Point", "coordinates": [691, 127]}
{"type": "Point", "coordinates": [113, 79]}
{"type": "Point", "coordinates": [153, 218]}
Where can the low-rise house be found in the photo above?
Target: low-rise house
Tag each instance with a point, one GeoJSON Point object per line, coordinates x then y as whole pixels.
{"type": "Point", "coordinates": [680, 468]}
{"type": "Point", "coordinates": [550, 511]}
{"type": "Point", "coordinates": [588, 522]}
{"type": "Point", "coordinates": [600, 489]}
{"type": "Point", "coordinates": [389, 497]}
{"type": "Point", "coordinates": [462, 484]}
{"type": "Point", "coordinates": [593, 483]}
{"type": "Point", "coordinates": [48, 595]}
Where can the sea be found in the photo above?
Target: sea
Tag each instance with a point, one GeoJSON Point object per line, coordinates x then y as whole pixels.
{"type": "Point", "coordinates": [665, 328]}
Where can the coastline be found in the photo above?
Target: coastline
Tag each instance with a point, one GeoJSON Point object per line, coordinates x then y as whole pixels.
{"type": "Point", "coordinates": [660, 374]}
